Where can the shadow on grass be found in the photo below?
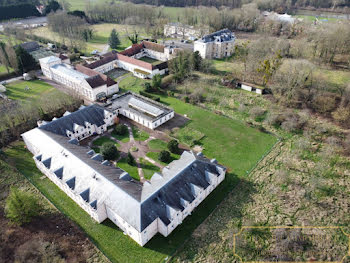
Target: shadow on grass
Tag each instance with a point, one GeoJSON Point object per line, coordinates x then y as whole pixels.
{"type": "Point", "coordinates": [177, 239]}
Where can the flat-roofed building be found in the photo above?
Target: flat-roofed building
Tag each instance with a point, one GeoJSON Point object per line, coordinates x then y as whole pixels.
{"type": "Point", "coordinates": [140, 109]}
{"type": "Point", "coordinates": [178, 30]}
{"type": "Point", "coordinates": [90, 84]}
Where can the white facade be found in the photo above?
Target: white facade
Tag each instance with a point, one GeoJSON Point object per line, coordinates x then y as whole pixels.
{"type": "Point", "coordinates": [184, 31]}
{"type": "Point", "coordinates": [220, 44]}
{"type": "Point", "coordinates": [53, 68]}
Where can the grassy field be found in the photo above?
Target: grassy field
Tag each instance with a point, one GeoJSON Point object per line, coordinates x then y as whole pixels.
{"type": "Point", "coordinates": [148, 168]}
{"type": "Point", "coordinates": [132, 170]}
{"type": "Point", "coordinates": [157, 144]}
{"type": "Point", "coordinates": [16, 90]}
{"type": "Point", "coordinates": [231, 142]}
{"type": "Point", "coordinates": [100, 37]}
{"type": "Point", "coordinates": [102, 140]}
{"type": "Point", "coordinates": [150, 60]}
{"type": "Point", "coordinates": [139, 135]}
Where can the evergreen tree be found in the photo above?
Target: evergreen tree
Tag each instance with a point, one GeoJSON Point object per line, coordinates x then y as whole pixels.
{"type": "Point", "coordinates": [24, 59]}
{"type": "Point", "coordinates": [164, 156]}
{"type": "Point", "coordinates": [130, 159]}
{"type": "Point", "coordinates": [173, 146]}
{"type": "Point", "coordinates": [21, 206]}
{"type": "Point", "coordinates": [52, 6]}
{"type": "Point", "coordinates": [113, 40]}
{"type": "Point", "coordinates": [109, 151]}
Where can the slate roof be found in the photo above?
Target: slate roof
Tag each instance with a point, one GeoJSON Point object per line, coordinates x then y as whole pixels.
{"type": "Point", "coordinates": [30, 46]}
{"type": "Point", "coordinates": [49, 59]}
{"type": "Point", "coordinates": [93, 114]}
{"type": "Point", "coordinates": [96, 79]}
{"type": "Point", "coordinates": [134, 49]}
{"type": "Point", "coordinates": [222, 35]}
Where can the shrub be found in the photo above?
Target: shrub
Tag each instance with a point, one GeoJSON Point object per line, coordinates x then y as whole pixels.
{"type": "Point", "coordinates": [173, 146]}
{"type": "Point", "coordinates": [130, 159]}
{"type": "Point", "coordinates": [167, 81]}
{"type": "Point", "coordinates": [121, 129]}
{"type": "Point", "coordinates": [274, 119]}
{"type": "Point", "coordinates": [109, 151]}
{"type": "Point", "coordinates": [257, 113]}
{"type": "Point", "coordinates": [164, 156]}
{"type": "Point", "coordinates": [21, 206]}
{"type": "Point", "coordinates": [325, 102]}
{"type": "Point", "coordinates": [342, 115]}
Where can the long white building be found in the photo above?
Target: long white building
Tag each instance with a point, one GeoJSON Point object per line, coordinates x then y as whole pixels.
{"type": "Point", "coordinates": [104, 191]}
{"type": "Point", "coordinates": [220, 44]}
{"type": "Point", "coordinates": [88, 83]}
{"type": "Point", "coordinates": [140, 109]}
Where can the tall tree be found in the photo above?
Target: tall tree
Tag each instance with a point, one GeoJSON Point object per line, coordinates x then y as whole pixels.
{"type": "Point", "coordinates": [21, 206]}
{"type": "Point", "coordinates": [113, 39]}
{"type": "Point", "coordinates": [52, 6]}
{"type": "Point", "coordinates": [24, 59]}
{"type": "Point", "coordinates": [4, 59]}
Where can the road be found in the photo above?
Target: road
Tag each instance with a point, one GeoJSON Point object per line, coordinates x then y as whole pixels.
{"type": "Point", "coordinates": [32, 20]}
{"type": "Point", "coordinates": [186, 46]}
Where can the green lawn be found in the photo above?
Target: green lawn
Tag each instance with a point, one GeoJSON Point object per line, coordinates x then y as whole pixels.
{"type": "Point", "coordinates": [155, 156]}
{"type": "Point", "coordinates": [3, 70]}
{"type": "Point", "coordinates": [132, 170]}
{"type": "Point", "coordinates": [16, 90]}
{"type": "Point", "coordinates": [139, 135]}
{"type": "Point", "coordinates": [100, 141]}
{"type": "Point", "coordinates": [232, 142]}
{"type": "Point", "coordinates": [148, 168]}
{"type": "Point", "coordinates": [123, 138]}
{"type": "Point", "coordinates": [157, 144]}
{"type": "Point", "coordinates": [150, 60]}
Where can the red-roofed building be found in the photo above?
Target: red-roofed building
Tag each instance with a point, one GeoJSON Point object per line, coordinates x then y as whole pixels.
{"type": "Point", "coordinates": [130, 59]}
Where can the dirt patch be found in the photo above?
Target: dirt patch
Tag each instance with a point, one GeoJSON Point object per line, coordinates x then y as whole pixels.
{"type": "Point", "coordinates": [49, 237]}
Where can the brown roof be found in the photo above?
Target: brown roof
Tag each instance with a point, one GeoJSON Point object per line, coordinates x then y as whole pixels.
{"type": "Point", "coordinates": [96, 78]}
{"type": "Point", "coordinates": [135, 48]}
{"type": "Point", "coordinates": [63, 57]}
{"type": "Point", "coordinates": [136, 62]}
{"type": "Point", "coordinates": [153, 46]}
{"type": "Point", "coordinates": [102, 61]}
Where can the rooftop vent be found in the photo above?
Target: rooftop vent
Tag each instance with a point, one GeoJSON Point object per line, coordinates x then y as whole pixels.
{"type": "Point", "coordinates": [86, 195]}
{"type": "Point", "coordinates": [106, 163]}
{"type": "Point", "coordinates": [93, 204]}
{"type": "Point", "coordinates": [71, 183]}
{"type": "Point", "coordinates": [47, 163]}
{"type": "Point", "coordinates": [125, 176]}
{"type": "Point", "coordinates": [91, 153]}
{"type": "Point", "coordinates": [97, 157]}
{"type": "Point", "coordinates": [59, 173]}
{"type": "Point", "coordinates": [74, 141]}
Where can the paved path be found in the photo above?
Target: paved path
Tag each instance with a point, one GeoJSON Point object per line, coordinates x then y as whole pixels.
{"type": "Point", "coordinates": [11, 80]}
{"type": "Point", "coordinates": [131, 135]}
{"type": "Point", "coordinates": [105, 50]}
{"type": "Point", "coordinates": [139, 169]}
{"type": "Point", "coordinates": [153, 162]}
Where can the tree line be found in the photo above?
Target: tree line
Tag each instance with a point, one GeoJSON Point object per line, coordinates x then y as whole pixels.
{"type": "Point", "coordinates": [277, 5]}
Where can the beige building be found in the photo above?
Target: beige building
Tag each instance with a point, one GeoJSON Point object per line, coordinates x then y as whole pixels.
{"type": "Point", "coordinates": [216, 45]}
{"type": "Point", "coordinates": [179, 30]}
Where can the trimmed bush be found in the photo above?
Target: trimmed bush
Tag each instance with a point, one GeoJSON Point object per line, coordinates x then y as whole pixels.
{"type": "Point", "coordinates": [121, 129]}
{"type": "Point", "coordinates": [109, 151]}
{"type": "Point", "coordinates": [173, 146]}
{"type": "Point", "coordinates": [130, 159]}
{"type": "Point", "coordinates": [164, 156]}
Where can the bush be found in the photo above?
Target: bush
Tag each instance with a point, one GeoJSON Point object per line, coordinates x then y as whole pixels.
{"type": "Point", "coordinates": [325, 102]}
{"type": "Point", "coordinates": [121, 129]}
{"type": "Point", "coordinates": [173, 146]}
{"type": "Point", "coordinates": [109, 151]}
{"type": "Point", "coordinates": [164, 156]}
{"type": "Point", "coordinates": [257, 113]}
{"type": "Point", "coordinates": [21, 206]}
{"type": "Point", "coordinates": [342, 115]}
{"type": "Point", "coordinates": [274, 119]}
{"type": "Point", "coordinates": [130, 159]}
{"type": "Point", "coordinates": [167, 81]}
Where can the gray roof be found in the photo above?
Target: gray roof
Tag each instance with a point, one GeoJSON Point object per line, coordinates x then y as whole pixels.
{"type": "Point", "coordinates": [30, 46]}
{"type": "Point", "coordinates": [140, 105]}
{"type": "Point", "coordinates": [221, 35]}
{"type": "Point", "coordinates": [138, 204]}
{"type": "Point", "coordinates": [93, 114]}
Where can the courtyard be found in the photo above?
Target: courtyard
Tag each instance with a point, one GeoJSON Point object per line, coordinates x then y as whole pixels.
{"type": "Point", "coordinates": [150, 60]}
{"type": "Point", "coordinates": [143, 144]}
